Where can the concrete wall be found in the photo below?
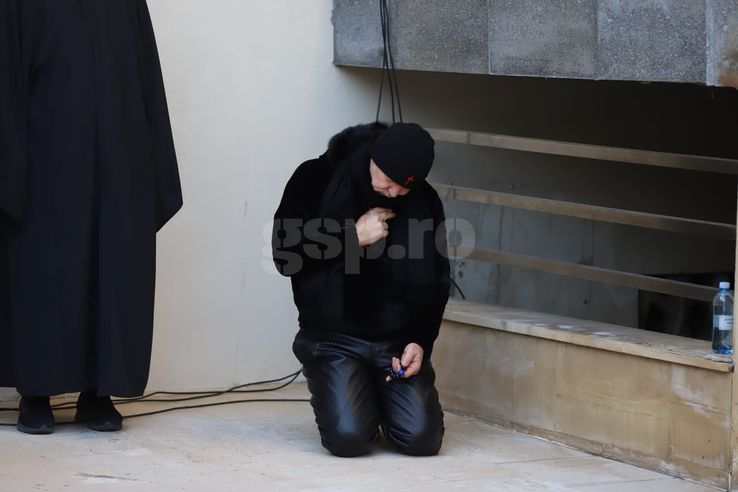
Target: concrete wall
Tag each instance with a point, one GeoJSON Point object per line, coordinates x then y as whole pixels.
{"type": "Point", "coordinates": [252, 94]}
{"type": "Point", "coordinates": [648, 40]}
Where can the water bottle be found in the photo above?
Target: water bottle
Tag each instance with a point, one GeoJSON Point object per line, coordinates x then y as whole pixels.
{"type": "Point", "coordinates": [722, 320]}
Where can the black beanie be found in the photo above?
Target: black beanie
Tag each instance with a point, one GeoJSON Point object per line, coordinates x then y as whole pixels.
{"type": "Point", "coordinates": [404, 152]}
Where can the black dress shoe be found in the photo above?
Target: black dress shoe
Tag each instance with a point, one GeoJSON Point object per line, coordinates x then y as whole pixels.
{"type": "Point", "coordinates": [35, 415]}
{"type": "Point", "coordinates": [98, 412]}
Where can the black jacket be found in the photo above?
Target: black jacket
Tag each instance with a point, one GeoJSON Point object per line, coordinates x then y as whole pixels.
{"type": "Point", "coordinates": [339, 286]}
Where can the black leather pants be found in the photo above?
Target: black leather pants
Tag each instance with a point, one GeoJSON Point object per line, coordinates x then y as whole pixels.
{"type": "Point", "coordinates": [351, 399]}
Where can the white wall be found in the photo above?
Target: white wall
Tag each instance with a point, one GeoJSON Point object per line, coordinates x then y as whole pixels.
{"type": "Point", "coordinates": [252, 93]}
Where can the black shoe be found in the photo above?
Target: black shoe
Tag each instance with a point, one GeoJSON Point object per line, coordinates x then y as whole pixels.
{"type": "Point", "coordinates": [35, 415]}
{"type": "Point", "coordinates": [98, 412]}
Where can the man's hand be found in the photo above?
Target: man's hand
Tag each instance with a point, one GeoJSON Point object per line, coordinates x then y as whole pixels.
{"type": "Point", "coordinates": [411, 361]}
{"type": "Point", "coordinates": [372, 226]}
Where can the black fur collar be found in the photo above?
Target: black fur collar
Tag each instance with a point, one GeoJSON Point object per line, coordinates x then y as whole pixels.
{"type": "Point", "coordinates": [351, 139]}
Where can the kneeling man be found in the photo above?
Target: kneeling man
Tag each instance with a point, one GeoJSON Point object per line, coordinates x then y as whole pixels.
{"type": "Point", "coordinates": [360, 233]}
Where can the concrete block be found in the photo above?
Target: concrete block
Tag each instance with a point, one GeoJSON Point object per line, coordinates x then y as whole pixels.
{"type": "Point", "coordinates": [684, 41]}
{"type": "Point", "coordinates": [439, 35]}
{"type": "Point", "coordinates": [357, 34]}
{"type": "Point", "coordinates": [556, 38]}
{"type": "Point", "coordinates": [618, 403]}
{"type": "Point", "coordinates": [722, 43]}
{"type": "Point", "coordinates": [651, 40]}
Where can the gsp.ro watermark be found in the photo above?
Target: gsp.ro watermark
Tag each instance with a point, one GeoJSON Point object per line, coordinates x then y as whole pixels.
{"type": "Point", "coordinates": [290, 243]}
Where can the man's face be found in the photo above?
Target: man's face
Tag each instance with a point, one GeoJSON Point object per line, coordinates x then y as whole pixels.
{"type": "Point", "coordinates": [383, 185]}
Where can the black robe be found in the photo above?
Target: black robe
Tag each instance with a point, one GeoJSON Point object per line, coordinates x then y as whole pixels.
{"type": "Point", "coordinates": [88, 175]}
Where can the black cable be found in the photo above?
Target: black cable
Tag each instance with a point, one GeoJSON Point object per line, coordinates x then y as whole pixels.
{"type": "Point", "coordinates": [385, 57]}
{"type": "Point", "coordinates": [458, 288]}
{"type": "Point", "coordinates": [197, 395]}
{"type": "Point", "coordinates": [204, 405]}
{"type": "Point", "coordinates": [379, 103]}
{"type": "Point", "coordinates": [392, 70]}
{"type": "Point", "coordinates": [200, 394]}
{"type": "Point", "coordinates": [188, 407]}
{"type": "Point", "coordinates": [388, 65]}
{"type": "Point", "coordinates": [235, 389]}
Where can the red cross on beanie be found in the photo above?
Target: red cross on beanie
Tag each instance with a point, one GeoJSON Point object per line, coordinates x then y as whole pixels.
{"type": "Point", "coordinates": [405, 153]}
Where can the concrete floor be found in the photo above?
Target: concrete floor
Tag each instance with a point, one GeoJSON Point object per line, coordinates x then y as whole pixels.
{"type": "Point", "coordinates": [275, 447]}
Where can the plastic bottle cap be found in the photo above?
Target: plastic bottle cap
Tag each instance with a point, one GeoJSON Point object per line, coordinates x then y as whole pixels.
{"type": "Point", "coordinates": [725, 285]}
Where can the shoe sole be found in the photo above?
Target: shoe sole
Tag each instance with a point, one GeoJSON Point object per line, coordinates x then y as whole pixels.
{"type": "Point", "coordinates": [104, 428]}
{"type": "Point", "coordinates": [98, 428]}
{"type": "Point", "coordinates": [34, 430]}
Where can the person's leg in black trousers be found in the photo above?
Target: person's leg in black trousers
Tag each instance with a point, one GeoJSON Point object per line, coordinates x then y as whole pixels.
{"type": "Point", "coordinates": [338, 374]}
{"type": "Point", "coordinates": [412, 418]}
{"type": "Point", "coordinates": [350, 397]}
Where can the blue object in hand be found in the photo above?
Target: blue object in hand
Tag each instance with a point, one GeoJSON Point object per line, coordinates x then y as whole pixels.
{"type": "Point", "coordinates": [395, 375]}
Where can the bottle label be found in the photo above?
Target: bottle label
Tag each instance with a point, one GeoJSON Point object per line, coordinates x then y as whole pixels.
{"type": "Point", "coordinates": [723, 323]}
